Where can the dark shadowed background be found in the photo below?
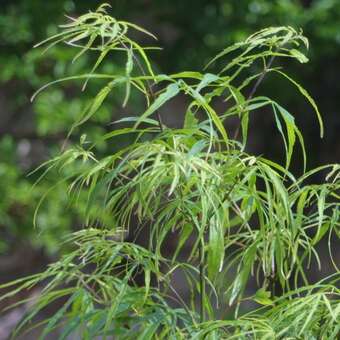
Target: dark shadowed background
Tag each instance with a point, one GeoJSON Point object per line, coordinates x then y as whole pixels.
{"type": "Point", "coordinates": [190, 32]}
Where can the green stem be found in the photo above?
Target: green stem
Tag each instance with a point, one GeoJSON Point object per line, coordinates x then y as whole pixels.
{"type": "Point", "coordinates": [273, 286]}
{"type": "Point", "coordinates": [202, 281]}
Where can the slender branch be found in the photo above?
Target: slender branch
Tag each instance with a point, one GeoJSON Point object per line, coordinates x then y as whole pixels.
{"type": "Point", "coordinates": [202, 281]}
{"type": "Point", "coordinates": [253, 91]}
{"type": "Point", "coordinates": [260, 79]}
{"type": "Point", "coordinates": [180, 300]}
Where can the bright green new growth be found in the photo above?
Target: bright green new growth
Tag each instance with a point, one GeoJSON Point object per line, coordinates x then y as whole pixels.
{"type": "Point", "coordinates": [240, 215]}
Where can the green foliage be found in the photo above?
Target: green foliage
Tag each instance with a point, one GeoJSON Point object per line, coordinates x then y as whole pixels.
{"type": "Point", "coordinates": [240, 215]}
{"type": "Point", "coordinates": [220, 23]}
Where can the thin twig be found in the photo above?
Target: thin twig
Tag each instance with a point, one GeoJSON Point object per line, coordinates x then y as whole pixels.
{"type": "Point", "coordinates": [202, 281]}
{"type": "Point", "coordinates": [253, 91]}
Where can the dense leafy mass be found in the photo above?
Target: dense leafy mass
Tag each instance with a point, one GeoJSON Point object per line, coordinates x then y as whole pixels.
{"type": "Point", "coordinates": [31, 133]}
{"type": "Point", "coordinates": [238, 215]}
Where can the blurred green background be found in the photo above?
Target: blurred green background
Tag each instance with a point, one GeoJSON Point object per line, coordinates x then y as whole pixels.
{"type": "Point", "coordinates": [190, 32]}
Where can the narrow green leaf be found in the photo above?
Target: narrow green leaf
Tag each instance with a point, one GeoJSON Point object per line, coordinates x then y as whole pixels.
{"type": "Point", "coordinates": [291, 127]}
{"type": "Point", "coordinates": [215, 248]}
{"type": "Point", "coordinates": [307, 96]}
{"type": "Point", "coordinates": [243, 275]}
{"type": "Point", "coordinates": [243, 112]}
{"type": "Point", "coordinates": [128, 70]}
{"type": "Point", "coordinates": [210, 111]}
{"type": "Point", "coordinates": [135, 119]}
{"type": "Point", "coordinates": [183, 236]}
{"type": "Point", "coordinates": [59, 315]}
{"type": "Point", "coordinates": [190, 121]}
{"type": "Point", "coordinates": [197, 148]}
{"type": "Point", "coordinates": [262, 297]}
{"type": "Point", "coordinates": [171, 91]}
{"type": "Point", "coordinates": [207, 79]}
{"type": "Point", "coordinates": [147, 280]}
{"type": "Point", "coordinates": [299, 56]}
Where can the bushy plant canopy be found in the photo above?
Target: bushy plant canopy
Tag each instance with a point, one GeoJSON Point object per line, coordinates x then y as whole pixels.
{"type": "Point", "coordinates": [231, 216]}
